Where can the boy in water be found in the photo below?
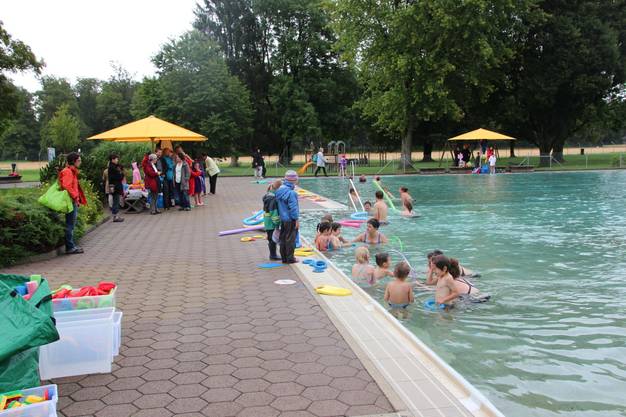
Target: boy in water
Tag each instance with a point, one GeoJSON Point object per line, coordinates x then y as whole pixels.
{"type": "Point", "coordinates": [383, 262]}
{"type": "Point", "coordinates": [405, 196]}
{"type": "Point", "coordinates": [338, 240]}
{"type": "Point", "coordinates": [399, 293]}
{"type": "Point", "coordinates": [368, 206]}
{"type": "Point", "coordinates": [380, 208]}
{"type": "Point", "coordinates": [431, 278]}
{"type": "Point", "coordinates": [362, 270]}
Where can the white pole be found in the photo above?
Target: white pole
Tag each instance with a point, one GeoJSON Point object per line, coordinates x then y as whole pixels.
{"type": "Point", "coordinates": [357, 195]}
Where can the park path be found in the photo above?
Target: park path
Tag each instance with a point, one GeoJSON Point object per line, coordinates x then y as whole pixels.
{"type": "Point", "coordinates": [205, 332]}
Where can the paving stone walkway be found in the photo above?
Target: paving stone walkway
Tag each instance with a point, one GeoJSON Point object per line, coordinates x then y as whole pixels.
{"type": "Point", "coordinates": [205, 332]}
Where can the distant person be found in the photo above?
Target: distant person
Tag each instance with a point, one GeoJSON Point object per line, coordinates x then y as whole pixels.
{"type": "Point", "coordinates": [182, 175]}
{"type": "Point", "coordinates": [408, 210]}
{"type": "Point", "coordinates": [383, 262]}
{"type": "Point", "coordinates": [320, 162]}
{"type": "Point", "coordinates": [271, 218]}
{"type": "Point", "coordinates": [380, 209]}
{"type": "Point", "coordinates": [467, 153]}
{"type": "Point", "coordinates": [492, 163]}
{"type": "Point", "coordinates": [68, 180]}
{"type": "Point", "coordinates": [367, 206]}
{"type": "Point", "coordinates": [213, 171]}
{"type": "Point", "coordinates": [460, 162]}
{"type": "Point", "coordinates": [362, 178]}
{"type": "Point", "coordinates": [362, 269]}
{"type": "Point", "coordinates": [289, 211]}
{"type": "Point", "coordinates": [151, 179]}
{"type": "Point", "coordinates": [196, 175]}
{"type": "Point", "coordinates": [405, 197]}
{"type": "Point", "coordinates": [343, 163]}
{"type": "Point", "coordinates": [115, 175]}
{"type": "Point", "coordinates": [167, 163]}
{"type": "Point", "coordinates": [257, 164]}
{"type": "Point", "coordinates": [372, 236]}
{"type": "Point", "coordinates": [399, 293]}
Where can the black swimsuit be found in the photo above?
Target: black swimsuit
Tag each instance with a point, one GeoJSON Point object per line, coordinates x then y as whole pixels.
{"type": "Point", "coordinates": [469, 284]}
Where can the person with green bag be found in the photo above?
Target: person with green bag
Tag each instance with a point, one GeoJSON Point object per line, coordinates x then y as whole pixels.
{"type": "Point", "coordinates": [68, 180]}
{"type": "Point", "coordinates": [57, 199]}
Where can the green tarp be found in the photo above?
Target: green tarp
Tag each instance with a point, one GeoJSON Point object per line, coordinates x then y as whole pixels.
{"type": "Point", "coordinates": [24, 325]}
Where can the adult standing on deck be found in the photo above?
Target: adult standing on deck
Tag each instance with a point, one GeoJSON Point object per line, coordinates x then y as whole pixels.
{"type": "Point", "coordinates": [212, 170]}
{"type": "Point", "coordinates": [151, 179]}
{"type": "Point", "coordinates": [289, 212]}
{"type": "Point", "coordinates": [258, 163]}
{"type": "Point", "coordinates": [68, 180]}
{"type": "Point", "coordinates": [168, 179]}
{"type": "Point", "coordinates": [115, 175]}
{"type": "Point", "coordinates": [320, 161]}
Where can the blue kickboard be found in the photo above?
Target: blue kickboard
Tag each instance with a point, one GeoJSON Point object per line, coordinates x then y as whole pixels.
{"type": "Point", "coordinates": [270, 265]}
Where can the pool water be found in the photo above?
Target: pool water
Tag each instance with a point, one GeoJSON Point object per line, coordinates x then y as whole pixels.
{"type": "Point", "coordinates": [551, 248]}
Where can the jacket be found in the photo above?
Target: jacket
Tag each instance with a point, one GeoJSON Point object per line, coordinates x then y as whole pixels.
{"type": "Point", "coordinates": [287, 202]}
{"type": "Point", "coordinates": [211, 166]}
{"type": "Point", "coordinates": [68, 180]}
{"type": "Point", "coordinates": [257, 160]}
{"type": "Point", "coordinates": [192, 182]}
{"type": "Point", "coordinates": [185, 176]}
{"type": "Point", "coordinates": [168, 167]}
{"type": "Point", "coordinates": [151, 177]}
{"type": "Point", "coordinates": [115, 178]}
{"type": "Point", "coordinates": [271, 218]}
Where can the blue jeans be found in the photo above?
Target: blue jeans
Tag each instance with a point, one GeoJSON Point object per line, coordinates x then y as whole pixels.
{"type": "Point", "coordinates": [70, 223]}
{"type": "Point", "coordinates": [116, 204]}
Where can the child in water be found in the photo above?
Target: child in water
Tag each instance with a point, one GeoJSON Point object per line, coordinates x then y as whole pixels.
{"type": "Point", "coordinates": [445, 292]}
{"type": "Point", "coordinates": [323, 241]}
{"type": "Point", "coordinates": [362, 270]}
{"type": "Point", "coordinates": [399, 293]}
{"type": "Point", "coordinates": [383, 262]}
{"type": "Point", "coordinates": [338, 240]}
{"type": "Point", "coordinates": [408, 210]}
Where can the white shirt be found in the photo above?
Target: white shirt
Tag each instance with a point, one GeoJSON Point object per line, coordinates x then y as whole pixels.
{"type": "Point", "coordinates": [211, 166]}
{"type": "Point", "coordinates": [321, 162]}
{"type": "Point", "coordinates": [179, 173]}
{"type": "Point", "coordinates": [492, 160]}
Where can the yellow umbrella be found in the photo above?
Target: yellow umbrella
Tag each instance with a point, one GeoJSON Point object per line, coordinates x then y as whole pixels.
{"type": "Point", "coordinates": [150, 129]}
{"type": "Point", "coordinates": [480, 134]}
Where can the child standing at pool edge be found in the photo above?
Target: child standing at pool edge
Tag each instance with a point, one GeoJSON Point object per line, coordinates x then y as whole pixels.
{"type": "Point", "coordinates": [271, 219]}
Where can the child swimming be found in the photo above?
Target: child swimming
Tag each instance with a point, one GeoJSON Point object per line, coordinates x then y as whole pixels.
{"type": "Point", "coordinates": [323, 239]}
{"type": "Point", "coordinates": [368, 206]}
{"type": "Point", "coordinates": [405, 197]}
{"type": "Point", "coordinates": [380, 208]}
{"type": "Point", "coordinates": [335, 229]}
{"type": "Point", "coordinates": [399, 293]}
{"type": "Point", "coordinates": [408, 210]}
{"type": "Point", "coordinates": [383, 262]}
{"type": "Point", "coordinates": [445, 292]}
{"type": "Point", "coordinates": [362, 270]}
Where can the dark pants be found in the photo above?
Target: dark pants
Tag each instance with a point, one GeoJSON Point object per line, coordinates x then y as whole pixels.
{"type": "Point", "coordinates": [183, 196]}
{"type": "Point", "coordinates": [154, 197]}
{"type": "Point", "coordinates": [70, 223]}
{"type": "Point", "coordinates": [318, 170]}
{"type": "Point", "coordinates": [288, 234]}
{"type": "Point", "coordinates": [212, 183]}
{"type": "Point", "coordinates": [168, 193]}
{"type": "Point", "coordinates": [116, 204]}
{"type": "Point", "coordinates": [271, 244]}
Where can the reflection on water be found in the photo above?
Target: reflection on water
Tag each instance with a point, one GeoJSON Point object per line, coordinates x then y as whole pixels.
{"type": "Point", "coordinates": [551, 249]}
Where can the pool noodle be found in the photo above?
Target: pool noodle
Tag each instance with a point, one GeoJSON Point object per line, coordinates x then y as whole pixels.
{"type": "Point", "coordinates": [241, 230]}
{"type": "Point", "coordinates": [385, 195]}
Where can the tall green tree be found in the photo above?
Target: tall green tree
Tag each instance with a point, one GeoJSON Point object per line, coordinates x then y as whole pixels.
{"type": "Point", "coordinates": [565, 69]}
{"type": "Point", "coordinates": [15, 56]}
{"type": "Point", "coordinates": [418, 60]}
{"type": "Point", "coordinates": [194, 89]}
{"type": "Point", "coordinates": [87, 91]}
{"type": "Point", "coordinates": [114, 103]}
{"type": "Point", "coordinates": [63, 130]}
{"type": "Point", "coordinates": [20, 139]}
{"type": "Point", "coordinates": [55, 92]}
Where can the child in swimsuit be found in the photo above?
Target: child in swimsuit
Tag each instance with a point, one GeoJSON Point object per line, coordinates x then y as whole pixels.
{"type": "Point", "coordinates": [338, 240]}
{"type": "Point", "coordinates": [368, 206]}
{"type": "Point", "coordinates": [383, 262]}
{"type": "Point", "coordinates": [362, 270]}
{"type": "Point", "coordinates": [323, 240]}
{"type": "Point", "coordinates": [463, 286]}
{"type": "Point", "coordinates": [431, 277]}
{"type": "Point", "coordinates": [408, 210]}
{"type": "Point", "coordinates": [446, 292]}
{"type": "Point", "coordinates": [399, 293]}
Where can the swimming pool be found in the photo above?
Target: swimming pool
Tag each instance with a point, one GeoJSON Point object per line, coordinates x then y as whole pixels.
{"type": "Point", "coordinates": [551, 248]}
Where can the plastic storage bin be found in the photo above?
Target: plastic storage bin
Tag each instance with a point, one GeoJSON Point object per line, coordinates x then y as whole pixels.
{"type": "Point", "coordinates": [83, 303]}
{"type": "Point", "coordinates": [43, 409]}
{"type": "Point", "coordinates": [85, 346]}
{"type": "Point", "coordinates": [117, 332]}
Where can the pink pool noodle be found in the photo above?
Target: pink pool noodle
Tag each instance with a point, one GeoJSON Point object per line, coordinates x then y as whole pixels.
{"type": "Point", "coordinates": [242, 230]}
{"type": "Point", "coordinates": [31, 286]}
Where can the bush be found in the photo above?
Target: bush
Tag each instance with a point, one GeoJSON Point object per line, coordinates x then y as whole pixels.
{"type": "Point", "coordinates": [28, 228]}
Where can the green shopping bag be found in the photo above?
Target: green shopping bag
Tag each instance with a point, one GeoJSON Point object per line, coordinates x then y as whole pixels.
{"type": "Point", "coordinates": [57, 199]}
{"type": "Point", "coordinates": [25, 325]}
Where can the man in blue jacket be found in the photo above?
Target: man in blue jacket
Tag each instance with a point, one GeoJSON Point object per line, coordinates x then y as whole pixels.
{"type": "Point", "coordinates": [289, 212]}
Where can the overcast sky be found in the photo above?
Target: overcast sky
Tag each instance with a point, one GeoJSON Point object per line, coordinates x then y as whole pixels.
{"type": "Point", "coordinates": [79, 38]}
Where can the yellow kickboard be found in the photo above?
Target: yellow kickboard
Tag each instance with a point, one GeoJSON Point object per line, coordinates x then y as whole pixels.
{"type": "Point", "coordinates": [330, 290]}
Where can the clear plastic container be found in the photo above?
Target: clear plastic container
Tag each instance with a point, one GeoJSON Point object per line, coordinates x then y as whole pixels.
{"type": "Point", "coordinates": [83, 303]}
{"type": "Point", "coordinates": [42, 409]}
{"type": "Point", "coordinates": [117, 332]}
{"type": "Point", "coordinates": [85, 346]}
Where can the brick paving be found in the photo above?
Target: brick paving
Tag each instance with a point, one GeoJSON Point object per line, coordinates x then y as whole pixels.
{"type": "Point", "coordinates": [205, 332]}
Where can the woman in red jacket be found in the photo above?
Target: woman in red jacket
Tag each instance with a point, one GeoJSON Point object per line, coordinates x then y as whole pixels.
{"type": "Point", "coordinates": [68, 180]}
{"type": "Point", "coordinates": [151, 180]}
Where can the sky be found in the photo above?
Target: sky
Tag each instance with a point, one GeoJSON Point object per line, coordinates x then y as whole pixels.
{"type": "Point", "coordinates": [80, 38]}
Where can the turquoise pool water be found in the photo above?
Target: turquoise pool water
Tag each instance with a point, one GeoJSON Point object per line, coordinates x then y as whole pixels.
{"type": "Point", "coordinates": [552, 252]}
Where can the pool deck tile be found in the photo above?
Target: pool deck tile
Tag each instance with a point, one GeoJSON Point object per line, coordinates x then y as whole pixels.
{"type": "Point", "coordinates": [205, 332]}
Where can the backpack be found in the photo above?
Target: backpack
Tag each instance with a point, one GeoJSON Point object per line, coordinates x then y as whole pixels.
{"type": "Point", "coordinates": [314, 158]}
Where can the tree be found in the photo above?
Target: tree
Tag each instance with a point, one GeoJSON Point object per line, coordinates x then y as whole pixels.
{"type": "Point", "coordinates": [565, 68]}
{"type": "Point", "coordinates": [63, 130]}
{"type": "Point", "coordinates": [418, 61]}
{"type": "Point", "coordinates": [87, 91]}
{"type": "Point", "coordinates": [113, 104]}
{"type": "Point", "coordinates": [15, 56]}
{"type": "Point", "coordinates": [194, 89]}
{"type": "Point", "coordinates": [20, 139]}
{"type": "Point", "coordinates": [55, 92]}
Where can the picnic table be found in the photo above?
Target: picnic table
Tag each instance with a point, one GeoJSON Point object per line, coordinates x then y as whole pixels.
{"type": "Point", "coordinates": [136, 201]}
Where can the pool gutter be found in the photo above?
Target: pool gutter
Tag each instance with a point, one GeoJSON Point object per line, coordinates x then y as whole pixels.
{"type": "Point", "coordinates": [414, 378]}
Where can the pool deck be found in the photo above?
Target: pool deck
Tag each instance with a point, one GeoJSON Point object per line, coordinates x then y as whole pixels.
{"type": "Point", "coordinates": [206, 332]}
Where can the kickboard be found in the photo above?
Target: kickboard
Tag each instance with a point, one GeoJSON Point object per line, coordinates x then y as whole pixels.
{"type": "Point", "coordinates": [270, 265]}
{"type": "Point", "coordinates": [330, 290]}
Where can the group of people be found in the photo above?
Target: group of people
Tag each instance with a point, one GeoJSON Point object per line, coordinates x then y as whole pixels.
{"type": "Point", "coordinates": [463, 157]}
{"type": "Point", "coordinates": [170, 172]}
{"type": "Point", "coordinates": [380, 210]}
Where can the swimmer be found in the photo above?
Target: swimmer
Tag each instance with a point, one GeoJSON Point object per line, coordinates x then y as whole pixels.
{"type": "Point", "coordinates": [431, 277]}
{"type": "Point", "coordinates": [385, 189]}
{"type": "Point", "coordinates": [336, 232]}
{"type": "Point", "coordinates": [362, 269]}
{"type": "Point", "coordinates": [372, 236]}
{"type": "Point", "coordinates": [368, 206]}
{"type": "Point", "coordinates": [408, 210]}
{"type": "Point", "coordinates": [399, 293]}
{"type": "Point", "coordinates": [323, 239]}
{"type": "Point", "coordinates": [464, 287]}
{"type": "Point", "coordinates": [446, 292]}
{"type": "Point", "coordinates": [362, 178]}
{"type": "Point", "coordinates": [326, 218]}
{"type": "Point", "coordinates": [383, 262]}
{"type": "Point", "coordinates": [405, 196]}
{"type": "Point", "coordinates": [380, 209]}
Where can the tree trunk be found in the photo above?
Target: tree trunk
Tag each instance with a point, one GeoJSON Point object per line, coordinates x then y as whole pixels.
{"type": "Point", "coordinates": [512, 148]}
{"type": "Point", "coordinates": [557, 152]}
{"type": "Point", "coordinates": [544, 155]}
{"type": "Point", "coordinates": [407, 144]}
{"type": "Point", "coordinates": [234, 161]}
{"type": "Point", "coordinates": [428, 150]}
